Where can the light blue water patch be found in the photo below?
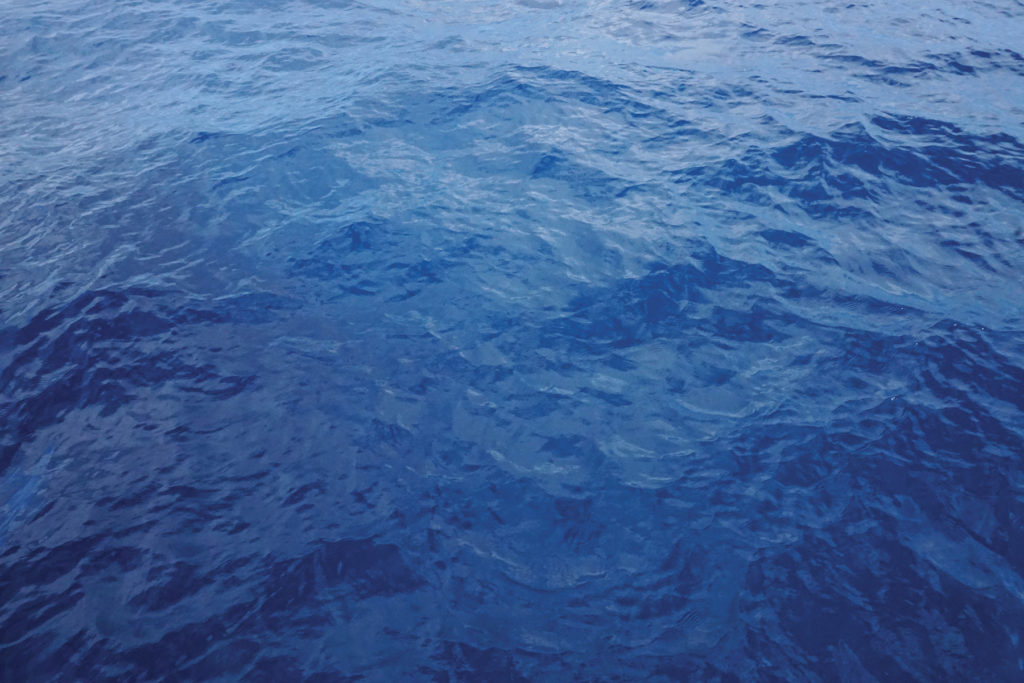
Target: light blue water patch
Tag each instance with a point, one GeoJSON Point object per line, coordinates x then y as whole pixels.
{"type": "Point", "coordinates": [20, 492]}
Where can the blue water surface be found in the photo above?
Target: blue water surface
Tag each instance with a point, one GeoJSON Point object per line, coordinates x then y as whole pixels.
{"type": "Point", "coordinates": [547, 340]}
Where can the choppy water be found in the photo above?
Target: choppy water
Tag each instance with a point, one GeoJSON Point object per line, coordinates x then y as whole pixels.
{"type": "Point", "coordinates": [552, 340]}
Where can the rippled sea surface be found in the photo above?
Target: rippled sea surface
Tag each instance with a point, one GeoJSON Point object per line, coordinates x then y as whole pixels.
{"type": "Point", "coordinates": [492, 341]}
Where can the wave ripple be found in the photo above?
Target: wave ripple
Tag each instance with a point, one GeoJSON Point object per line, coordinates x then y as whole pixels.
{"type": "Point", "coordinates": [548, 340]}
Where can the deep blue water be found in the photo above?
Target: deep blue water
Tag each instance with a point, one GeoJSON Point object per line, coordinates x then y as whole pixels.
{"type": "Point", "coordinates": [490, 341]}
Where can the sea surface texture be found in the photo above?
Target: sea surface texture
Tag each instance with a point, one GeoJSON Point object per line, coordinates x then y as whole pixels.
{"type": "Point", "coordinates": [551, 340]}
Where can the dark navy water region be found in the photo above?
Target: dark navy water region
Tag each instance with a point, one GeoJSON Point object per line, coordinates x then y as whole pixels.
{"type": "Point", "coordinates": [550, 340]}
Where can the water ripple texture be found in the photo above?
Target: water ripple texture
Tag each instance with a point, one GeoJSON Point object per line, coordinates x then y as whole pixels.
{"type": "Point", "coordinates": [545, 340]}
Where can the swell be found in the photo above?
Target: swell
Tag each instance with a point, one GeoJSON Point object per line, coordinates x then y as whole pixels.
{"type": "Point", "coordinates": [541, 373]}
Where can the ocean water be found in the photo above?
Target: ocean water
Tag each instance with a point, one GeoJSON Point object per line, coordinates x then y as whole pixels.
{"type": "Point", "coordinates": [551, 340]}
